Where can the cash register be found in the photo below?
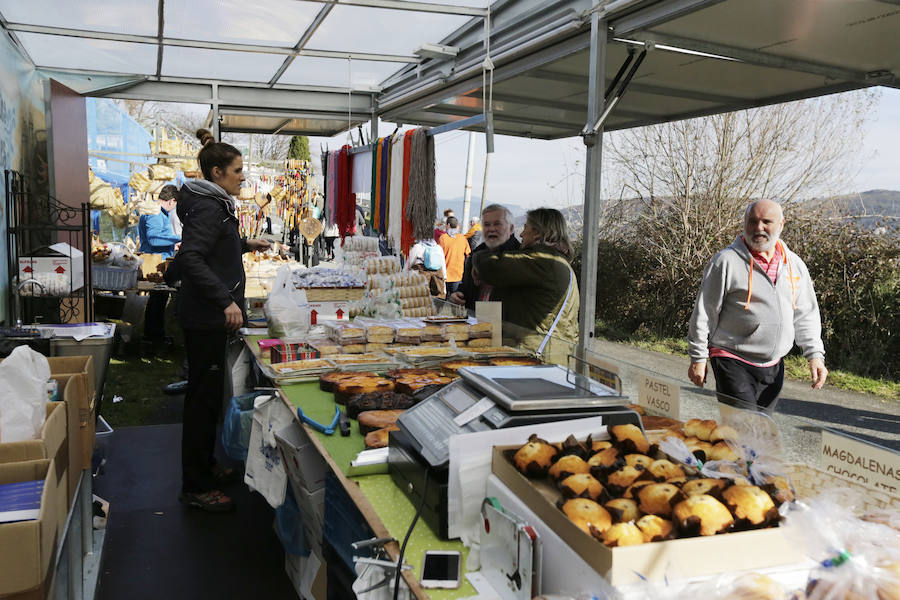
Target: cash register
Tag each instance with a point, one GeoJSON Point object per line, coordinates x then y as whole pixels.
{"type": "Point", "coordinates": [486, 398]}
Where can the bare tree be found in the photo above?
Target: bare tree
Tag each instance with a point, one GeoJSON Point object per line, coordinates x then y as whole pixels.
{"type": "Point", "coordinates": [683, 186]}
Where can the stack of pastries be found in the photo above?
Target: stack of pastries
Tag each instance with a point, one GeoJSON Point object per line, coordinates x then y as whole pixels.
{"type": "Point", "coordinates": [625, 491]}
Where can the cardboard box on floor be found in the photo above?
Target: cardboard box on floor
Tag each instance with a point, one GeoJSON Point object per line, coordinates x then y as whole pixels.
{"type": "Point", "coordinates": [27, 547]}
{"type": "Point", "coordinates": [75, 375]}
{"type": "Point", "coordinates": [53, 444]}
{"type": "Point", "coordinates": [687, 557]}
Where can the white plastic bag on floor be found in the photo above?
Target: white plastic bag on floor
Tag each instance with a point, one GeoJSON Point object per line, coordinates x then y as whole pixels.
{"type": "Point", "coordinates": [265, 470]}
{"type": "Point", "coordinates": [23, 395]}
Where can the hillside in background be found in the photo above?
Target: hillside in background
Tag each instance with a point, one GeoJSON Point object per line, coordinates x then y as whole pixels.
{"type": "Point", "coordinates": [457, 205]}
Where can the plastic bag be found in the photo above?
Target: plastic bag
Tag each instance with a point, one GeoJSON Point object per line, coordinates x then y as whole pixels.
{"type": "Point", "coordinates": [287, 309]}
{"type": "Point", "coordinates": [289, 526]}
{"type": "Point", "coordinates": [237, 424]}
{"type": "Point", "coordinates": [857, 559]}
{"type": "Point", "coordinates": [23, 397]}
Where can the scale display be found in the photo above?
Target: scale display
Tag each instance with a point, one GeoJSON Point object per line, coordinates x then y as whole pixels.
{"type": "Point", "coordinates": [488, 398]}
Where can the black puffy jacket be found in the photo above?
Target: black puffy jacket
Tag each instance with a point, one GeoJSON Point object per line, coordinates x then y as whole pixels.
{"type": "Point", "coordinates": [209, 261]}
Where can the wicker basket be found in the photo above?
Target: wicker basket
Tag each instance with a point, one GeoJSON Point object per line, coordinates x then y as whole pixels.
{"type": "Point", "coordinates": [809, 482]}
{"type": "Point", "coordinates": [347, 294]}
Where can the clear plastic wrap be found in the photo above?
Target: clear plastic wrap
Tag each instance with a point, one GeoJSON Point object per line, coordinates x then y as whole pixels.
{"type": "Point", "coordinates": [857, 559]}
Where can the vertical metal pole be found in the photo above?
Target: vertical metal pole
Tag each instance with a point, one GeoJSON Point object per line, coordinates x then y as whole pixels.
{"type": "Point", "coordinates": [373, 127]}
{"type": "Point", "coordinates": [467, 198]}
{"type": "Point", "coordinates": [215, 111]}
{"type": "Point", "coordinates": [594, 153]}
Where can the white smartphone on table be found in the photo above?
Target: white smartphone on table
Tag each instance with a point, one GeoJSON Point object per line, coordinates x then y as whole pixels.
{"type": "Point", "coordinates": [440, 569]}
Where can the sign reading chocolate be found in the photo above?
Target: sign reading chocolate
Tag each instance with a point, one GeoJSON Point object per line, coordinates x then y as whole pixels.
{"type": "Point", "coordinates": [876, 467]}
{"type": "Point", "coordinates": [659, 397]}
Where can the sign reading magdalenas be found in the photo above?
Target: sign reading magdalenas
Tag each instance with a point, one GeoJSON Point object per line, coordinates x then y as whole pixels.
{"type": "Point", "coordinates": [872, 466]}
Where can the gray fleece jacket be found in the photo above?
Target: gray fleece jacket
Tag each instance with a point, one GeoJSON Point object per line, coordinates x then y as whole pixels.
{"type": "Point", "coordinates": [740, 310]}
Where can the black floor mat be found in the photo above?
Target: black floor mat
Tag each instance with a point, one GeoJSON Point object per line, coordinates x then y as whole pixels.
{"type": "Point", "coordinates": [157, 548]}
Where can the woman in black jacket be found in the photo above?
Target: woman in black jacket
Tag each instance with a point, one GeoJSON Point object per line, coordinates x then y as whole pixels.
{"type": "Point", "coordinates": [210, 308]}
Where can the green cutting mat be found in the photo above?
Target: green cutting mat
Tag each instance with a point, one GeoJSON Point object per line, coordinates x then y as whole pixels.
{"type": "Point", "coordinates": [393, 507]}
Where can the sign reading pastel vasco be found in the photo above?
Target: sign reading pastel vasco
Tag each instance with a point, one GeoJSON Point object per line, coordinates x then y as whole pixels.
{"type": "Point", "coordinates": [876, 467]}
{"type": "Point", "coordinates": [659, 396]}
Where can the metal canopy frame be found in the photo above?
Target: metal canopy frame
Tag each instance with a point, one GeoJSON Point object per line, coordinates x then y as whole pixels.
{"type": "Point", "coordinates": [549, 61]}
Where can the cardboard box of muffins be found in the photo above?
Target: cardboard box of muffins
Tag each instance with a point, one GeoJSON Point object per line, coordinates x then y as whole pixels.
{"type": "Point", "coordinates": [644, 516]}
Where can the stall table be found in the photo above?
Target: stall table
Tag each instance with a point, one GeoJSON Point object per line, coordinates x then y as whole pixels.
{"type": "Point", "coordinates": [385, 508]}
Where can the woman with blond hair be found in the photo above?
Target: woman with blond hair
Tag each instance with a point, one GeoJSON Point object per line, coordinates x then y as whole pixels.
{"type": "Point", "coordinates": [538, 286]}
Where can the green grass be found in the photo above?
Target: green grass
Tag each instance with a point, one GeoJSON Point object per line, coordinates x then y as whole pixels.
{"type": "Point", "coordinates": [796, 368]}
{"type": "Point", "coordinates": [139, 381]}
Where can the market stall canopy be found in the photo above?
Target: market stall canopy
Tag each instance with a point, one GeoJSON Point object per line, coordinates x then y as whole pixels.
{"type": "Point", "coordinates": [319, 67]}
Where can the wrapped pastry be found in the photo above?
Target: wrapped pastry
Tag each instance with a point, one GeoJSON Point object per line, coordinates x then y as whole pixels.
{"type": "Point", "coordinates": [722, 451]}
{"type": "Point", "coordinates": [479, 342]}
{"type": "Point", "coordinates": [623, 509]}
{"type": "Point", "coordinates": [655, 528]}
{"type": "Point", "coordinates": [618, 481]}
{"type": "Point", "coordinates": [568, 465]}
{"type": "Point", "coordinates": [630, 439]}
{"type": "Point", "coordinates": [588, 516]}
{"type": "Point", "coordinates": [582, 485]}
{"type": "Point", "coordinates": [702, 515]}
{"type": "Point", "coordinates": [633, 460]}
{"type": "Point", "coordinates": [657, 499]}
{"type": "Point", "coordinates": [751, 506]}
{"type": "Point", "coordinates": [535, 457]}
{"type": "Point", "coordinates": [664, 470]}
{"type": "Point", "coordinates": [623, 534]}
{"type": "Point", "coordinates": [707, 485]}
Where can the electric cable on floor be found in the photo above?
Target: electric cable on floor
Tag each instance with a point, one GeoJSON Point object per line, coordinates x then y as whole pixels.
{"type": "Point", "coordinates": [408, 534]}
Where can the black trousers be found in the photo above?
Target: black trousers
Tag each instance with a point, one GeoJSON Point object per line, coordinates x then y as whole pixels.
{"type": "Point", "coordinates": [755, 386]}
{"type": "Point", "coordinates": [205, 352]}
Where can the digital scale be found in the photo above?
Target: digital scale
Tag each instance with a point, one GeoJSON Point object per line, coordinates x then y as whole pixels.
{"type": "Point", "coordinates": [482, 399]}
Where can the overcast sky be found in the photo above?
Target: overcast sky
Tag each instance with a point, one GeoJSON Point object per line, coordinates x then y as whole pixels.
{"type": "Point", "coordinates": [532, 173]}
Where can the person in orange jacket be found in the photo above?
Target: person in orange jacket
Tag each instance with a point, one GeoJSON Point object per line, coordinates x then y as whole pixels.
{"type": "Point", "coordinates": [456, 249]}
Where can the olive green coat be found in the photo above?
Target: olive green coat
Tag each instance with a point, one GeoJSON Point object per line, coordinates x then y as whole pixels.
{"type": "Point", "coordinates": [534, 284]}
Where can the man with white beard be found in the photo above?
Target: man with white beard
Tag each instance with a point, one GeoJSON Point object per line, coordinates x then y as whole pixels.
{"type": "Point", "coordinates": [497, 228]}
{"type": "Point", "coordinates": [756, 300]}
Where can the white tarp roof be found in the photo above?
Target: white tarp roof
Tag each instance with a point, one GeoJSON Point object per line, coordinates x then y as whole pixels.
{"type": "Point", "coordinates": [317, 67]}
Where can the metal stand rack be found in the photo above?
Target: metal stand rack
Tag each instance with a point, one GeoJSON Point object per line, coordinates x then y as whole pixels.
{"type": "Point", "coordinates": [34, 222]}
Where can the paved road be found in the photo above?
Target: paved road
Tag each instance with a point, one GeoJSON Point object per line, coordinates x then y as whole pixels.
{"type": "Point", "coordinates": [801, 411]}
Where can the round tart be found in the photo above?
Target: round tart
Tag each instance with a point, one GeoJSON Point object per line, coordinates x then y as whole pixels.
{"type": "Point", "coordinates": [623, 534]}
{"type": "Point", "coordinates": [514, 361]}
{"type": "Point", "coordinates": [535, 457]}
{"type": "Point", "coordinates": [702, 515]}
{"type": "Point", "coordinates": [329, 380]}
{"type": "Point", "coordinates": [379, 437]}
{"type": "Point", "coordinates": [377, 419]}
